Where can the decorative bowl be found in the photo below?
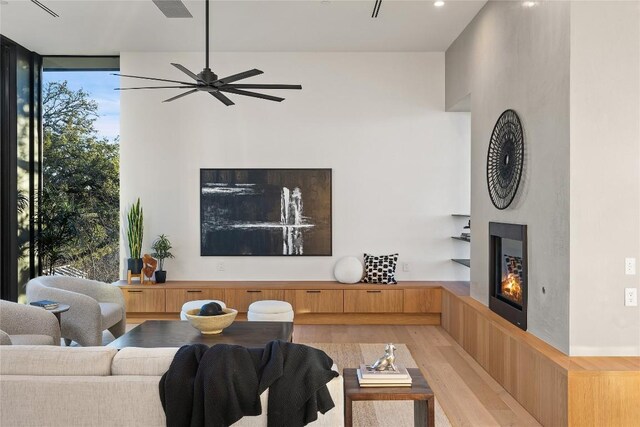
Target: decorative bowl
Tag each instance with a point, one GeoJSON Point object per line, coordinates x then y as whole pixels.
{"type": "Point", "coordinates": [211, 324]}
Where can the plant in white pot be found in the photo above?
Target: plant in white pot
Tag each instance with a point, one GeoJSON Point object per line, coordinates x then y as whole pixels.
{"type": "Point", "coordinates": [135, 231]}
{"type": "Point", "coordinates": [161, 247]}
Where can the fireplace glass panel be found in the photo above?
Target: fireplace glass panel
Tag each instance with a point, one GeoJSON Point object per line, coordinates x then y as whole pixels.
{"type": "Point", "coordinates": [511, 275]}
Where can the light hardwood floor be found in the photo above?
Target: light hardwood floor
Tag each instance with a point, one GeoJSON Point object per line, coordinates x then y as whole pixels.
{"type": "Point", "coordinates": [466, 392]}
{"type": "Point", "coordinates": [468, 395]}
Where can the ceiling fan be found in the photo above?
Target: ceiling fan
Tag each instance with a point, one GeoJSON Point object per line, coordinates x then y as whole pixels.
{"type": "Point", "coordinates": [207, 81]}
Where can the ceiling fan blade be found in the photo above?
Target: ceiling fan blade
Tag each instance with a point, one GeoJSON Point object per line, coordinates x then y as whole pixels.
{"type": "Point", "coordinates": [181, 95]}
{"type": "Point", "coordinates": [222, 98]}
{"type": "Point", "coordinates": [187, 72]}
{"type": "Point", "coordinates": [252, 94]}
{"type": "Point", "coordinates": [151, 78]}
{"type": "Point", "coordinates": [239, 76]}
{"type": "Point", "coordinates": [263, 86]}
{"type": "Point", "coordinates": [156, 87]}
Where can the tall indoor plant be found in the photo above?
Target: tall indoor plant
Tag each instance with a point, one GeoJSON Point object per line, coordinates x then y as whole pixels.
{"type": "Point", "coordinates": [161, 247]}
{"type": "Point", "coordinates": [135, 232]}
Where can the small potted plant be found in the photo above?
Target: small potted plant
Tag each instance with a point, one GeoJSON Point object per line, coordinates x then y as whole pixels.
{"type": "Point", "coordinates": [135, 230]}
{"type": "Point", "coordinates": [161, 247]}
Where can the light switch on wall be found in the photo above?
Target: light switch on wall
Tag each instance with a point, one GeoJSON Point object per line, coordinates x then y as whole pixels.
{"type": "Point", "coordinates": [631, 297]}
{"type": "Point", "coordinates": [630, 266]}
{"type": "Point", "coordinates": [405, 266]}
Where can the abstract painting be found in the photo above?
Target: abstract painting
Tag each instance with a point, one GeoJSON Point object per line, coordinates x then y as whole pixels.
{"type": "Point", "coordinates": [263, 212]}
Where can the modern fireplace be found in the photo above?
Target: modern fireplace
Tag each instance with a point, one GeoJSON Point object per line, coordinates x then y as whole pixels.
{"type": "Point", "coordinates": [508, 272]}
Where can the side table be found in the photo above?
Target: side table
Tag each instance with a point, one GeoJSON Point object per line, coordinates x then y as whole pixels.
{"type": "Point", "coordinates": [61, 308]}
{"type": "Point", "coordinates": [419, 392]}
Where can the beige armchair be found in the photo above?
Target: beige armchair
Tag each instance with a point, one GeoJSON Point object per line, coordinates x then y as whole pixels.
{"type": "Point", "coordinates": [24, 324]}
{"type": "Point", "coordinates": [95, 306]}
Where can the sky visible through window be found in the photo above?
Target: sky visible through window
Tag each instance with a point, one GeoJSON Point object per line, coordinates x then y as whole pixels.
{"type": "Point", "coordinates": [100, 86]}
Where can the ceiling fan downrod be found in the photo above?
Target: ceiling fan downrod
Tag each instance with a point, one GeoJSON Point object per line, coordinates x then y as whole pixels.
{"type": "Point", "coordinates": [207, 75]}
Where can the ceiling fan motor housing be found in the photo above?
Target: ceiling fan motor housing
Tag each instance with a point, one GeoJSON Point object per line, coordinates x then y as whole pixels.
{"type": "Point", "coordinates": [208, 76]}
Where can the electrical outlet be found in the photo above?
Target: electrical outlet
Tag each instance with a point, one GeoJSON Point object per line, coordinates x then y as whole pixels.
{"type": "Point", "coordinates": [631, 297]}
{"type": "Point", "coordinates": [220, 266]}
{"type": "Point", "coordinates": [630, 266]}
{"type": "Point", "coordinates": [406, 267]}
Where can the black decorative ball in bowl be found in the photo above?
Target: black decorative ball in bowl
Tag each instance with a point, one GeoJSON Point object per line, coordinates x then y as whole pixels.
{"type": "Point", "coordinates": [211, 309]}
{"type": "Point", "coordinates": [505, 159]}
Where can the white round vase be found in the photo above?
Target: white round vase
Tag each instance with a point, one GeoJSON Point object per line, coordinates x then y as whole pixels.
{"type": "Point", "coordinates": [348, 270]}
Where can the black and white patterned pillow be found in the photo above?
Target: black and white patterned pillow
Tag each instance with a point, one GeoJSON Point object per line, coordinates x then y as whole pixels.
{"type": "Point", "coordinates": [380, 269]}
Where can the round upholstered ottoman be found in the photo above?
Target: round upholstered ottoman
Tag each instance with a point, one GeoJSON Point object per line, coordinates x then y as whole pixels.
{"type": "Point", "coordinates": [190, 305]}
{"type": "Point", "coordinates": [270, 311]}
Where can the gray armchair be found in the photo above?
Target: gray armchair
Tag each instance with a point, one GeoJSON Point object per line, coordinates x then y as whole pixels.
{"type": "Point", "coordinates": [95, 306]}
{"type": "Point", "coordinates": [24, 324]}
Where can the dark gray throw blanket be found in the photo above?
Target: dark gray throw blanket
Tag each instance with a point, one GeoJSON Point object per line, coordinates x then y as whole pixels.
{"type": "Point", "coordinates": [215, 387]}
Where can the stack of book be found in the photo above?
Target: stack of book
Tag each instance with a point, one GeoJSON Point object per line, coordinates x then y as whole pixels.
{"type": "Point", "coordinates": [368, 377]}
{"type": "Point", "coordinates": [467, 233]}
{"type": "Point", "coordinates": [46, 304]}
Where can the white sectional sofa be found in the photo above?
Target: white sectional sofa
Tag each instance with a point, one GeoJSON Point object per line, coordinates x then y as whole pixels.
{"type": "Point", "coordinates": [100, 386]}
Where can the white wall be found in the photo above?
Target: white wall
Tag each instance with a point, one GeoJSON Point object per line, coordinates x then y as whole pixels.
{"type": "Point", "coordinates": [605, 176]}
{"type": "Point", "coordinates": [515, 57]}
{"type": "Point", "coordinates": [400, 163]}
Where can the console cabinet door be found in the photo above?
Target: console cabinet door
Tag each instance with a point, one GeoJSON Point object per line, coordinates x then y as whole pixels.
{"type": "Point", "coordinates": [177, 297]}
{"type": "Point", "coordinates": [144, 300]}
{"type": "Point", "coordinates": [373, 301]}
{"type": "Point", "coordinates": [318, 301]}
{"type": "Point", "coordinates": [240, 299]}
{"type": "Point", "coordinates": [422, 300]}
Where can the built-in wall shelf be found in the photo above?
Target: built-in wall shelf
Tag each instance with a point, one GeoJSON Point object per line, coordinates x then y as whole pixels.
{"type": "Point", "coordinates": [465, 262]}
{"type": "Point", "coordinates": [462, 261]}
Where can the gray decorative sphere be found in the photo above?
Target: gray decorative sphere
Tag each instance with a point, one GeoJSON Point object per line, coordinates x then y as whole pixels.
{"type": "Point", "coordinates": [348, 270]}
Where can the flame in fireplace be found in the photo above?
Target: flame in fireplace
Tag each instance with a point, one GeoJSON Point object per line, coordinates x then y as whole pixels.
{"type": "Point", "coordinates": [512, 288]}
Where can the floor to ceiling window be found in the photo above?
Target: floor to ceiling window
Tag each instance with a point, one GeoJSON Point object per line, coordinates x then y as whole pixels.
{"type": "Point", "coordinates": [20, 165]}
{"type": "Point", "coordinates": [80, 193]}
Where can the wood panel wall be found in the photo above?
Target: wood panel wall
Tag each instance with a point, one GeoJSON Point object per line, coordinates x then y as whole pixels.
{"type": "Point", "coordinates": [556, 389]}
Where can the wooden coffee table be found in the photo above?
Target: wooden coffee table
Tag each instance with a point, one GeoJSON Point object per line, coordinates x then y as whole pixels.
{"type": "Point", "coordinates": [419, 392]}
{"type": "Point", "coordinates": [176, 333]}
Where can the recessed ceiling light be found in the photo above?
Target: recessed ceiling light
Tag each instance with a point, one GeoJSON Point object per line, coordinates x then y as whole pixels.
{"type": "Point", "coordinates": [438, 3]}
{"type": "Point", "coordinates": [529, 3]}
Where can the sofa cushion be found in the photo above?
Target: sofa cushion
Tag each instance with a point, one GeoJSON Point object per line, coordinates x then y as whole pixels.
{"type": "Point", "coordinates": [32, 339]}
{"type": "Point", "coordinates": [55, 361]}
{"type": "Point", "coordinates": [142, 361]}
{"type": "Point", "coordinates": [111, 314]}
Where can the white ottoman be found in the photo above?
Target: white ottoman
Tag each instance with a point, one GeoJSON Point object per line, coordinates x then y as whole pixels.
{"type": "Point", "coordinates": [190, 305]}
{"type": "Point", "coordinates": [270, 311]}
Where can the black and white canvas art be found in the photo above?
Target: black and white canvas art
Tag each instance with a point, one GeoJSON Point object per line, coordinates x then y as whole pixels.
{"type": "Point", "coordinates": [259, 212]}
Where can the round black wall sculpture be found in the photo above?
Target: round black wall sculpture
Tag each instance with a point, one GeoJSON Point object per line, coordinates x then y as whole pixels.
{"type": "Point", "coordinates": [505, 159]}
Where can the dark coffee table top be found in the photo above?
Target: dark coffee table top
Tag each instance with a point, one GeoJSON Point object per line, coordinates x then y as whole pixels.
{"type": "Point", "coordinates": [176, 333]}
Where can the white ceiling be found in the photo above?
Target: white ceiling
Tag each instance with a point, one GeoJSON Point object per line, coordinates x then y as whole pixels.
{"type": "Point", "coordinates": [98, 27]}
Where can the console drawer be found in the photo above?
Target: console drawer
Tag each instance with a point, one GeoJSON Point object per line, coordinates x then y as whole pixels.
{"type": "Point", "coordinates": [144, 300]}
{"type": "Point", "coordinates": [240, 299]}
{"type": "Point", "coordinates": [373, 301]}
{"type": "Point", "coordinates": [318, 301]}
{"type": "Point", "coordinates": [175, 298]}
{"type": "Point", "coordinates": [422, 300]}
